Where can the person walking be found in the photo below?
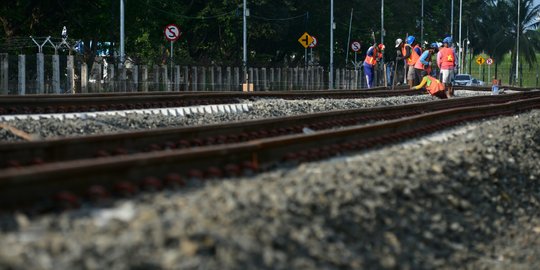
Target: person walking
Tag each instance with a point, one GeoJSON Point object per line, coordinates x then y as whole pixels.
{"type": "Point", "coordinates": [411, 52]}
{"type": "Point", "coordinates": [373, 54]}
{"type": "Point", "coordinates": [424, 62]}
{"type": "Point", "coordinates": [447, 63]}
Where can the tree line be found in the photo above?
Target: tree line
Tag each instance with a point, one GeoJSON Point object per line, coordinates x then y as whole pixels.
{"type": "Point", "coordinates": [212, 30]}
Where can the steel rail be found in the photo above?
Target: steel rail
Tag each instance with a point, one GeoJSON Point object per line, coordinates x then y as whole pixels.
{"type": "Point", "coordinates": [18, 154]}
{"type": "Point", "coordinates": [70, 181]}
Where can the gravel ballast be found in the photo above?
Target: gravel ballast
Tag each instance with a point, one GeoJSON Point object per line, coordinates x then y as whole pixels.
{"type": "Point", "coordinates": [466, 198]}
{"type": "Point", "coordinates": [262, 108]}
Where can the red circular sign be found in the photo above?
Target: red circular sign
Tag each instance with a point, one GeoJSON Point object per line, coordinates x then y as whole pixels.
{"type": "Point", "coordinates": [314, 43]}
{"type": "Point", "coordinates": [355, 46]}
{"type": "Point", "coordinates": [489, 61]}
{"type": "Point", "coordinates": [172, 32]}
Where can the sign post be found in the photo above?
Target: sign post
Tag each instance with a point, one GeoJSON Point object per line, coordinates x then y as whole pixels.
{"type": "Point", "coordinates": [480, 61]}
{"type": "Point", "coordinates": [305, 40]}
{"type": "Point", "coordinates": [355, 47]}
{"type": "Point", "coordinates": [489, 62]}
{"type": "Point", "coordinates": [311, 46]}
{"type": "Point", "coordinates": [172, 33]}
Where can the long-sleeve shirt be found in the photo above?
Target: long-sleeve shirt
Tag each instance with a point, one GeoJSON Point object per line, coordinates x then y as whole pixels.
{"type": "Point", "coordinates": [425, 58]}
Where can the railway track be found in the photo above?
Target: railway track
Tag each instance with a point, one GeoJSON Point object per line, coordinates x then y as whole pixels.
{"type": "Point", "coordinates": [37, 104]}
{"type": "Point", "coordinates": [20, 154]}
{"type": "Point", "coordinates": [69, 183]}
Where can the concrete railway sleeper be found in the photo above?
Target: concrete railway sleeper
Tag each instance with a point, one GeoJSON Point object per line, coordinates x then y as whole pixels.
{"type": "Point", "coordinates": [12, 105]}
{"type": "Point", "coordinates": [69, 184]}
{"type": "Point", "coordinates": [20, 154]}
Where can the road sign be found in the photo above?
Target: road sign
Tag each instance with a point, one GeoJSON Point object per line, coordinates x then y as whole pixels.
{"type": "Point", "coordinates": [305, 40]}
{"type": "Point", "coordinates": [314, 43]}
{"type": "Point", "coordinates": [355, 46]}
{"type": "Point", "coordinates": [172, 32]}
{"type": "Point", "coordinates": [489, 61]}
{"type": "Point", "coordinates": [480, 60]}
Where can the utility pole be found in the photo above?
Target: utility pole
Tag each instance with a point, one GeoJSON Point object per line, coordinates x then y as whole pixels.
{"type": "Point", "coordinates": [122, 33]}
{"type": "Point", "coordinates": [244, 44]}
{"type": "Point", "coordinates": [460, 43]}
{"type": "Point", "coordinates": [518, 29]}
{"type": "Point", "coordinates": [422, 26]}
{"type": "Point", "coordinates": [331, 75]}
{"type": "Point", "coordinates": [452, 19]}
{"type": "Point", "coordinates": [349, 40]}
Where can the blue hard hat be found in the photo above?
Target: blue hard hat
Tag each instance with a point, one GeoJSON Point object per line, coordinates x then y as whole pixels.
{"type": "Point", "coordinates": [434, 45]}
{"type": "Point", "coordinates": [447, 40]}
{"type": "Point", "coordinates": [410, 39]}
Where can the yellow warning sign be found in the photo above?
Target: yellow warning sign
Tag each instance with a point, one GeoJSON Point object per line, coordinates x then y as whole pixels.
{"type": "Point", "coordinates": [305, 40]}
{"type": "Point", "coordinates": [480, 60]}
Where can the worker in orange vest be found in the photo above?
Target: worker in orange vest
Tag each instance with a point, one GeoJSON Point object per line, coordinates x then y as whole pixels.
{"type": "Point", "coordinates": [447, 62]}
{"type": "Point", "coordinates": [373, 54]}
{"type": "Point", "coordinates": [432, 85]}
{"type": "Point", "coordinates": [412, 52]}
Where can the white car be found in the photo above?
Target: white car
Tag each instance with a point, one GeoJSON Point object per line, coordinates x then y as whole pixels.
{"type": "Point", "coordinates": [467, 80]}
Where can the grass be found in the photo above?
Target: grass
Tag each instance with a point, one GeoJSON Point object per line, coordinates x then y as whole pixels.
{"type": "Point", "coordinates": [530, 75]}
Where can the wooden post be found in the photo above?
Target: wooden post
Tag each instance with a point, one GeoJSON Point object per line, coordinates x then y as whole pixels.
{"type": "Point", "coordinates": [56, 74]}
{"type": "Point", "coordinates": [40, 69]}
{"type": "Point", "coordinates": [22, 75]}
{"type": "Point", "coordinates": [4, 74]}
{"type": "Point", "coordinates": [144, 78]}
{"type": "Point", "coordinates": [70, 80]}
{"type": "Point", "coordinates": [84, 78]}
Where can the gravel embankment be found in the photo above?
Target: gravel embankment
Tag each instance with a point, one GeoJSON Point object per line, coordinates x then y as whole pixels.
{"type": "Point", "coordinates": [49, 128]}
{"type": "Point", "coordinates": [465, 199]}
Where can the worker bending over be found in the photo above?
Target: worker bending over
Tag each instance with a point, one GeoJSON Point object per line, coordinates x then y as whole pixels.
{"type": "Point", "coordinates": [432, 85]}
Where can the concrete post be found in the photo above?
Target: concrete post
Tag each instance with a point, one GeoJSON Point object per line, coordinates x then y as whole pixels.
{"type": "Point", "coordinates": [228, 79]}
{"type": "Point", "coordinates": [156, 78]}
{"type": "Point", "coordinates": [70, 71]}
{"type": "Point", "coordinates": [278, 84]}
{"type": "Point", "coordinates": [111, 77]}
{"type": "Point", "coordinates": [186, 78]}
{"type": "Point", "coordinates": [122, 70]}
{"type": "Point", "coordinates": [203, 79]}
{"type": "Point", "coordinates": [219, 79]}
{"type": "Point", "coordinates": [22, 75]}
{"type": "Point", "coordinates": [237, 85]}
{"type": "Point", "coordinates": [84, 78]}
{"type": "Point", "coordinates": [195, 79]}
{"type": "Point", "coordinates": [40, 69]}
{"type": "Point", "coordinates": [177, 76]}
{"type": "Point", "coordinates": [212, 78]}
{"type": "Point", "coordinates": [4, 74]}
{"type": "Point", "coordinates": [135, 79]}
{"type": "Point", "coordinates": [56, 74]}
{"type": "Point", "coordinates": [264, 83]}
{"type": "Point", "coordinates": [165, 78]}
{"type": "Point", "coordinates": [144, 78]}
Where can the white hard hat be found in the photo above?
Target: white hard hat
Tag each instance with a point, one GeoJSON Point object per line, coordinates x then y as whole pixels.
{"type": "Point", "coordinates": [398, 42]}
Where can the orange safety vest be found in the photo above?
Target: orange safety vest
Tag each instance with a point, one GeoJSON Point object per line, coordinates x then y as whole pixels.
{"type": "Point", "coordinates": [411, 61]}
{"type": "Point", "coordinates": [370, 59]}
{"type": "Point", "coordinates": [447, 55]}
{"type": "Point", "coordinates": [419, 64]}
{"type": "Point", "coordinates": [433, 86]}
